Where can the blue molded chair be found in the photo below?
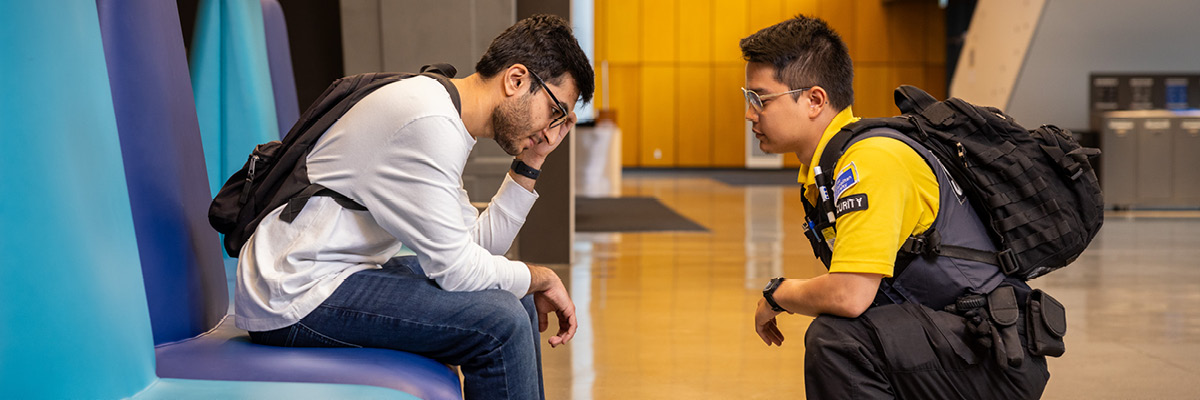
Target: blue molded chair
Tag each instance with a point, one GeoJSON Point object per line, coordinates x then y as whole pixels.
{"type": "Point", "coordinates": [74, 323]}
{"type": "Point", "coordinates": [180, 254]}
{"type": "Point", "coordinates": [279, 57]}
{"type": "Point", "coordinates": [231, 84]}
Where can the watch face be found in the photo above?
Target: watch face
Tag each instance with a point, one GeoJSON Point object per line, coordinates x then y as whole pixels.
{"type": "Point", "coordinates": [772, 284]}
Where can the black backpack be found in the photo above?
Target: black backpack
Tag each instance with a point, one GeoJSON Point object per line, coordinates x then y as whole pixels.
{"type": "Point", "coordinates": [276, 172]}
{"type": "Point", "coordinates": [1035, 190]}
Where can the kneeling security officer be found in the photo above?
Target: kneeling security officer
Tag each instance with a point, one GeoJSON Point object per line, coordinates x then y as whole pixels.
{"type": "Point", "coordinates": [876, 336]}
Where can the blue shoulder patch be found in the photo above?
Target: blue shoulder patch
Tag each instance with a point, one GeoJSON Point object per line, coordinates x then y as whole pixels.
{"type": "Point", "coordinates": [847, 178]}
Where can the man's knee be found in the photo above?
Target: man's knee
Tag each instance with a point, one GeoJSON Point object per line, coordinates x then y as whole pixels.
{"type": "Point", "coordinates": [503, 316]}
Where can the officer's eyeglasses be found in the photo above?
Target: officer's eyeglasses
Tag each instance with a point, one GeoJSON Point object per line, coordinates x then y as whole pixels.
{"type": "Point", "coordinates": [756, 101]}
{"type": "Point", "coordinates": [559, 108]}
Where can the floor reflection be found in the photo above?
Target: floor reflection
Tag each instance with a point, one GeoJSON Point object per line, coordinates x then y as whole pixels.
{"type": "Point", "coordinates": [669, 315]}
{"type": "Point", "coordinates": [764, 234]}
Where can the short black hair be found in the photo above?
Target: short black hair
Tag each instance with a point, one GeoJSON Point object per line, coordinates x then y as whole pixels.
{"type": "Point", "coordinates": [805, 52]}
{"type": "Point", "coordinates": [544, 44]}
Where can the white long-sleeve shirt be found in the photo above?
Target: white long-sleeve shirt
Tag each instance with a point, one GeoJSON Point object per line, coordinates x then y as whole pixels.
{"type": "Point", "coordinates": [400, 152]}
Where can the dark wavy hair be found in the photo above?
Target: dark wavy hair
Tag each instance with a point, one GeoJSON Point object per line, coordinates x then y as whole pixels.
{"type": "Point", "coordinates": [805, 52]}
{"type": "Point", "coordinates": [545, 45]}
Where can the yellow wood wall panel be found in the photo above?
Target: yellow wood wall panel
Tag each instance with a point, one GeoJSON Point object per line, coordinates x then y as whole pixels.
{"type": "Point", "coordinates": [872, 94]}
{"type": "Point", "coordinates": [910, 75]}
{"type": "Point", "coordinates": [625, 92]}
{"type": "Point", "coordinates": [729, 27]}
{"type": "Point", "coordinates": [600, 36]}
{"type": "Point", "coordinates": [676, 67]}
{"type": "Point", "coordinates": [623, 30]}
{"type": "Point", "coordinates": [659, 31]}
{"type": "Point", "coordinates": [871, 41]}
{"type": "Point", "coordinates": [839, 14]}
{"type": "Point", "coordinates": [935, 33]}
{"type": "Point", "coordinates": [658, 104]}
{"type": "Point", "coordinates": [695, 31]}
{"type": "Point", "coordinates": [729, 121]}
{"type": "Point", "coordinates": [764, 13]}
{"type": "Point", "coordinates": [906, 75]}
{"type": "Point", "coordinates": [935, 80]}
{"type": "Point", "coordinates": [907, 32]}
{"type": "Point", "coordinates": [793, 8]}
{"type": "Point", "coordinates": [695, 133]}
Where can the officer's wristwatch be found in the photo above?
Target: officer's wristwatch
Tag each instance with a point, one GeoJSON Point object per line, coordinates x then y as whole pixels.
{"type": "Point", "coordinates": [525, 170]}
{"type": "Point", "coordinates": [769, 294]}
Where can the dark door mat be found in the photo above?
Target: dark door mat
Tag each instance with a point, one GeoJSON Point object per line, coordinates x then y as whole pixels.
{"type": "Point", "coordinates": [629, 214]}
{"type": "Point", "coordinates": [773, 177]}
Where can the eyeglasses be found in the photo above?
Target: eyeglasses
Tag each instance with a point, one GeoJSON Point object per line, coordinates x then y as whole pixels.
{"type": "Point", "coordinates": [559, 107]}
{"type": "Point", "coordinates": [756, 101]}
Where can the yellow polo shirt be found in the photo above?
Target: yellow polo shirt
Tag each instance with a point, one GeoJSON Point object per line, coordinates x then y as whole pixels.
{"type": "Point", "coordinates": [886, 193]}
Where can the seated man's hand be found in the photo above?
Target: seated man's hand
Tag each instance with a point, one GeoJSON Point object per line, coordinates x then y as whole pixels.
{"type": "Point", "coordinates": [549, 140]}
{"type": "Point", "coordinates": [549, 294]}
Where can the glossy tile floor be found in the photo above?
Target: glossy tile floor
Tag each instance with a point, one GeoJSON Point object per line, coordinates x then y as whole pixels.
{"type": "Point", "coordinates": [669, 315]}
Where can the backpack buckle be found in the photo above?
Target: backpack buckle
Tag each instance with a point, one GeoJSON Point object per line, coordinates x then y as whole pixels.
{"type": "Point", "coordinates": [1008, 261]}
{"type": "Point", "coordinates": [1078, 172]}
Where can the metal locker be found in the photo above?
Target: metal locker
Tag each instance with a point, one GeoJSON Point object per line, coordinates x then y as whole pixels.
{"type": "Point", "coordinates": [1151, 159]}
{"type": "Point", "coordinates": [1186, 144]}
{"type": "Point", "coordinates": [1119, 145]}
{"type": "Point", "coordinates": [1154, 166]}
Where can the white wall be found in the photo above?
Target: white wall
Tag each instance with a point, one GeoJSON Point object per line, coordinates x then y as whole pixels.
{"type": "Point", "coordinates": [1074, 38]}
{"type": "Point", "coordinates": [993, 50]}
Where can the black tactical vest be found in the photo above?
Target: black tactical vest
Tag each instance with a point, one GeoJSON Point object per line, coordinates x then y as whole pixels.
{"type": "Point", "coordinates": [935, 281]}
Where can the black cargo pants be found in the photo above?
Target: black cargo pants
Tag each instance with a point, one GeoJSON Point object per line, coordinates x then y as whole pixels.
{"type": "Point", "coordinates": [909, 351]}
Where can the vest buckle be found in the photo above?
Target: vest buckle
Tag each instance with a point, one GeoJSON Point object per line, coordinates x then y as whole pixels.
{"type": "Point", "coordinates": [926, 244]}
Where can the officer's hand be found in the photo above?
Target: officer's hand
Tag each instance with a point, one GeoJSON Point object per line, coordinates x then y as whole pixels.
{"type": "Point", "coordinates": [554, 298]}
{"type": "Point", "coordinates": [764, 324]}
{"type": "Point", "coordinates": [548, 141]}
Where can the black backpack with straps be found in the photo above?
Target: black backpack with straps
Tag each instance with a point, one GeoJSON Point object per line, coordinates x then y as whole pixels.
{"type": "Point", "coordinates": [276, 172]}
{"type": "Point", "coordinates": [1034, 190]}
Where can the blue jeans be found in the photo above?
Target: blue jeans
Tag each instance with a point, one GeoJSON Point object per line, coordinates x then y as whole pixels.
{"type": "Point", "coordinates": [490, 334]}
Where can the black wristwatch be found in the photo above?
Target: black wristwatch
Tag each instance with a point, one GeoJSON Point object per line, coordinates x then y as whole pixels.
{"type": "Point", "coordinates": [525, 170]}
{"type": "Point", "coordinates": [769, 294]}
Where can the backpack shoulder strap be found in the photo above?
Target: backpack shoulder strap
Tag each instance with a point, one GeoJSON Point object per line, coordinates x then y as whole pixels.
{"type": "Point", "coordinates": [443, 73]}
{"type": "Point", "coordinates": [837, 145]}
{"type": "Point", "coordinates": [823, 172]}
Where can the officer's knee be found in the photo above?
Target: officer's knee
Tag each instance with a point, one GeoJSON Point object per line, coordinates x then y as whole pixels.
{"type": "Point", "coordinates": [824, 327]}
{"type": "Point", "coordinates": [828, 336]}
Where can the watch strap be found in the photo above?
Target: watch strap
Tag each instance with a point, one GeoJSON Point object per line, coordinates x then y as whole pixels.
{"type": "Point", "coordinates": [525, 170]}
{"type": "Point", "coordinates": [769, 294]}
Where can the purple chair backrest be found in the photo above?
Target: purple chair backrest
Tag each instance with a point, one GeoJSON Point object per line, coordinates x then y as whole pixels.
{"type": "Point", "coordinates": [182, 266]}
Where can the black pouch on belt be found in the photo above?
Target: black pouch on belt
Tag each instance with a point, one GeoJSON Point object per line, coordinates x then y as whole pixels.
{"type": "Point", "coordinates": [1046, 321]}
{"type": "Point", "coordinates": [1005, 312]}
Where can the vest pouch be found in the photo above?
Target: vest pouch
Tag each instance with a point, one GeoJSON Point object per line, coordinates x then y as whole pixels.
{"type": "Point", "coordinates": [1003, 308]}
{"type": "Point", "coordinates": [1046, 321]}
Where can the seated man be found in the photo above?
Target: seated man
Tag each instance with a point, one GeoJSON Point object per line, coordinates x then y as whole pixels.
{"type": "Point", "coordinates": [872, 338]}
{"type": "Point", "coordinates": [325, 278]}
